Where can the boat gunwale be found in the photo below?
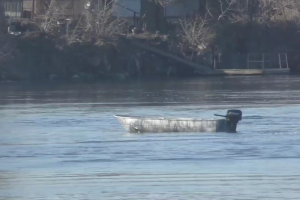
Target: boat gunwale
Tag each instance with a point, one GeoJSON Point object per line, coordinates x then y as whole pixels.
{"type": "Point", "coordinates": [164, 118]}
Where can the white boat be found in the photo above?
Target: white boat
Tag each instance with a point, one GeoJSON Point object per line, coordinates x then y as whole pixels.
{"type": "Point", "coordinates": [142, 124]}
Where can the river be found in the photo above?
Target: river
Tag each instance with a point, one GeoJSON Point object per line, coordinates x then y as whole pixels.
{"type": "Point", "coordinates": [61, 141]}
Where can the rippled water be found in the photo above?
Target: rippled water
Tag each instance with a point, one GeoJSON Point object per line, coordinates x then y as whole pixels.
{"type": "Point", "coordinates": [61, 141]}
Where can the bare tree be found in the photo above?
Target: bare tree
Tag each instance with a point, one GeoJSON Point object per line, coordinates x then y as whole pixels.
{"type": "Point", "coordinates": [77, 32]}
{"type": "Point", "coordinates": [196, 32]}
{"type": "Point", "coordinates": [223, 7]}
{"type": "Point", "coordinates": [101, 20]}
{"type": "Point", "coordinates": [54, 11]}
{"type": "Point", "coordinates": [267, 10]}
{"type": "Point", "coordinates": [226, 6]}
{"type": "Point", "coordinates": [166, 2]}
{"type": "Point", "coordinates": [292, 11]}
{"type": "Point", "coordinates": [219, 9]}
{"type": "Point", "coordinates": [263, 10]}
{"type": "Point", "coordinates": [289, 9]}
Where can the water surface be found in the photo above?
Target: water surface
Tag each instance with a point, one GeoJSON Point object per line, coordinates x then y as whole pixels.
{"type": "Point", "coordinates": [61, 141]}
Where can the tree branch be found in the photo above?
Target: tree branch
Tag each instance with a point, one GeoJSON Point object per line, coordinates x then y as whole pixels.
{"type": "Point", "coordinates": [196, 32]}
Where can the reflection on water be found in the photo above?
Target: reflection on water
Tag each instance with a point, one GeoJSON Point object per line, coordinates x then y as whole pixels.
{"type": "Point", "coordinates": [61, 141]}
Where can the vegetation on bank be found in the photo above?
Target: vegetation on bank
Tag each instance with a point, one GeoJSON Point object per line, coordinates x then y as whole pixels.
{"type": "Point", "coordinates": [96, 46]}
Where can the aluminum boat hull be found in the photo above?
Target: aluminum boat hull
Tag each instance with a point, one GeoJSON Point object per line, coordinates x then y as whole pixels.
{"type": "Point", "coordinates": [136, 124]}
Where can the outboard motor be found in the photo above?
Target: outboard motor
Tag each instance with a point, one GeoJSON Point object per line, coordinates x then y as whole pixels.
{"type": "Point", "coordinates": [233, 117]}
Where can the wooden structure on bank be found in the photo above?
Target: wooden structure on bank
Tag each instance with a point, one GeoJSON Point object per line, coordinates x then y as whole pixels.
{"type": "Point", "coordinates": [264, 59]}
{"type": "Point", "coordinates": [199, 68]}
{"type": "Point", "coordinates": [205, 70]}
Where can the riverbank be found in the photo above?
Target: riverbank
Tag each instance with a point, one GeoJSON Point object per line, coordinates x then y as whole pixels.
{"type": "Point", "coordinates": [45, 57]}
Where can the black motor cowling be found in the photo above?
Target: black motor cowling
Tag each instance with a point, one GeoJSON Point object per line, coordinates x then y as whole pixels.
{"type": "Point", "coordinates": [233, 117]}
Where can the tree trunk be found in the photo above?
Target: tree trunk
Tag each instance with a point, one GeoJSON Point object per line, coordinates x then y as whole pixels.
{"type": "Point", "coordinates": [252, 10]}
{"type": "Point", "coordinates": [152, 16]}
{"type": "Point", "coordinates": [3, 23]}
{"type": "Point", "coordinates": [202, 8]}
